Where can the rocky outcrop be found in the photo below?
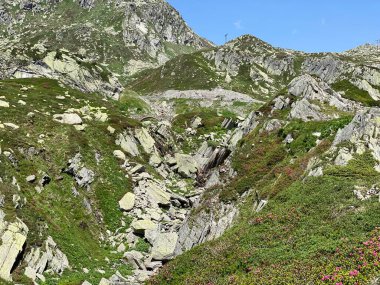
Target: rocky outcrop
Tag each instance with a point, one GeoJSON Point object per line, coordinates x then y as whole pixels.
{"type": "Point", "coordinates": [314, 97]}
{"type": "Point", "coordinates": [363, 133]}
{"type": "Point", "coordinates": [13, 238]}
{"type": "Point", "coordinates": [73, 71]}
{"type": "Point", "coordinates": [128, 143]}
{"type": "Point", "coordinates": [82, 175]}
{"type": "Point", "coordinates": [208, 95]}
{"type": "Point", "coordinates": [206, 225]}
{"type": "Point", "coordinates": [45, 259]}
{"type": "Point", "coordinates": [149, 24]}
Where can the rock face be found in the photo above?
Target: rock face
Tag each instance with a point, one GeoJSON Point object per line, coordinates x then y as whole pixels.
{"type": "Point", "coordinates": [150, 23]}
{"type": "Point", "coordinates": [205, 226]}
{"type": "Point", "coordinates": [314, 97]}
{"type": "Point", "coordinates": [363, 133]}
{"type": "Point", "coordinates": [13, 237]}
{"type": "Point", "coordinates": [82, 175]}
{"type": "Point", "coordinates": [45, 258]}
{"type": "Point", "coordinates": [145, 139]}
{"type": "Point", "coordinates": [70, 70]}
{"type": "Point", "coordinates": [148, 31]}
{"type": "Point", "coordinates": [187, 166]}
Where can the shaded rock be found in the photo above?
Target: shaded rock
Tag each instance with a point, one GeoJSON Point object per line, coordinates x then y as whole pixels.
{"type": "Point", "coordinates": [46, 258]}
{"type": "Point", "coordinates": [343, 157]}
{"type": "Point", "coordinates": [135, 258]}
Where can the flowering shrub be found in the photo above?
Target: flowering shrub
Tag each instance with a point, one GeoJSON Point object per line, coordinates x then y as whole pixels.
{"type": "Point", "coordinates": [356, 266]}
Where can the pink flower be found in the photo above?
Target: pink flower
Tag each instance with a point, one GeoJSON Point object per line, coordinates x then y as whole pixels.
{"type": "Point", "coordinates": [339, 283]}
{"type": "Point", "coordinates": [354, 273]}
{"type": "Point", "coordinates": [326, 277]}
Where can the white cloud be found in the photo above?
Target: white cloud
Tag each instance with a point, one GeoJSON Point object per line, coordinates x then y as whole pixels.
{"type": "Point", "coordinates": [238, 25]}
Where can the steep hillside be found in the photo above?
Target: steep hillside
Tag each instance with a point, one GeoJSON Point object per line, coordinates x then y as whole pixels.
{"type": "Point", "coordinates": [122, 36]}
{"type": "Point", "coordinates": [306, 191]}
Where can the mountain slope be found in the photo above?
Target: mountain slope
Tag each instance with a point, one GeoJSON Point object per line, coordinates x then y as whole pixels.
{"type": "Point", "coordinates": [238, 164]}
{"type": "Point", "coordinates": [123, 36]}
{"type": "Point", "coordinates": [253, 67]}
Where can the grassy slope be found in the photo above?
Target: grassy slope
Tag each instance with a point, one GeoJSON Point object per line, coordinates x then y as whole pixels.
{"type": "Point", "coordinates": [185, 72]}
{"type": "Point", "coordinates": [75, 231]}
{"type": "Point", "coordinates": [309, 227]}
{"type": "Point", "coordinates": [354, 93]}
{"type": "Point", "coordinates": [86, 29]}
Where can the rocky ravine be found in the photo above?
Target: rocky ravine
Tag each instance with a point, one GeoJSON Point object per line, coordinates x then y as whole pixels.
{"type": "Point", "coordinates": [167, 185]}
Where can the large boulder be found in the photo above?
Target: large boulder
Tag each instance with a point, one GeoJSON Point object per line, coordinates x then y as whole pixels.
{"type": "Point", "coordinates": [164, 246]}
{"type": "Point", "coordinates": [68, 118]}
{"type": "Point", "coordinates": [127, 202]}
{"type": "Point", "coordinates": [13, 238]}
{"type": "Point", "coordinates": [186, 165]}
{"type": "Point", "coordinates": [154, 192]}
{"type": "Point", "coordinates": [140, 226]}
{"type": "Point", "coordinates": [128, 143]}
{"type": "Point", "coordinates": [145, 139]}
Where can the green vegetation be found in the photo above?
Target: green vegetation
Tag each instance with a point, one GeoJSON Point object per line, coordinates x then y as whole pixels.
{"type": "Point", "coordinates": [307, 230]}
{"type": "Point", "coordinates": [189, 71]}
{"type": "Point", "coordinates": [354, 93]}
{"type": "Point", "coordinates": [75, 228]}
{"type": "Point", "coordinates": [211, 123]}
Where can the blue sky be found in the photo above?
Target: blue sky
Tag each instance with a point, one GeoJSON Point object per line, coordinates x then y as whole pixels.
{"type": "Point", "coordinates": [308, 25]}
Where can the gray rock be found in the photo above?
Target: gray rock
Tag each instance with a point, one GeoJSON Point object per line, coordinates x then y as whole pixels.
{"type": "Point", "coordinates": [127, 202]}
{"type": "Point", "coordinates": [140, 226]}
{"type": "Point", "coordinates": [187, 166]}
{"type": "Point", "coordinates": [128, 143]}
{"type": "Point", "coordinates": [31, 178]}
{"type": "Point", "coordinates": [145, 139]}
{"type": "Point", "coordinates": [45, 258]}
{"type": "Point", "coordinates": [119, 154]}
{"type": "Point", "coordinates": [164, 246]}
{"type": "Point", "coordinates": [135, 258]}
{"type": "Point", "coordinates": [13, 236]}
{"type": "Point", "coordinates": [68, 118]}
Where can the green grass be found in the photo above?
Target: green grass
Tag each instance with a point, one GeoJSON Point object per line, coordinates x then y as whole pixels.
{"type": "Point", "coordinates": [75, 230]}
{"type": "Point", "coordinates": [211, 123]}
{"type": "Point", "coordinates": [294, 240]}
{"type": "Point", "coordinates": [352, 92]}
{"type": "Point", "coordinates": [189, 71]}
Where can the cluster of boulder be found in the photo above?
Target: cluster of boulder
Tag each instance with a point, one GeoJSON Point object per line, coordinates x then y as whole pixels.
{"type": "Point", "coordinates": [159, 206]}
